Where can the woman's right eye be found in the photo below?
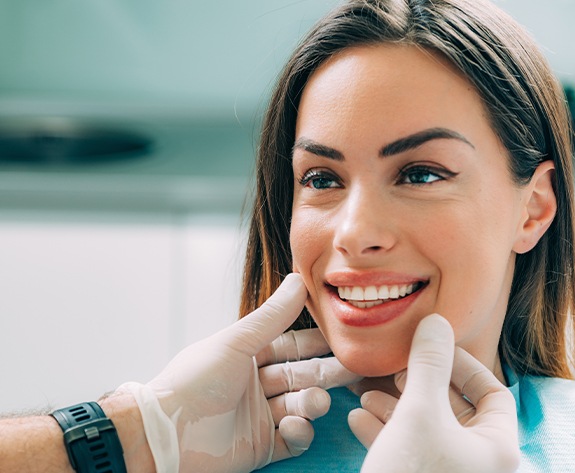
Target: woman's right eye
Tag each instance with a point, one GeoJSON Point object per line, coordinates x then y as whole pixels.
{"type": "Point", "coordinates": [319, 180]}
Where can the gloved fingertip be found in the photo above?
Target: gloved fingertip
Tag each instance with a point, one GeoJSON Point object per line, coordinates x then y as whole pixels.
{"type": "Point", "coordinates": [354, 415]}
{"type": "Point", "coordinates": [435, 328]}
{"type": "Point", "coordinates": [297, 433]}
{"type": "Point", "coordinates": [293, 282]}
{"type": "Point", "coordinates": [315, 402]}
{"type": "Point", "coordinates": [369, 398]}
{"type": "Point", "coordinates": [364, 425]}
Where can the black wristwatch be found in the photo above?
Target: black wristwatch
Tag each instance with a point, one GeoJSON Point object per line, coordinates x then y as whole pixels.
{"type": "Point", "coordinates": [91, 439]}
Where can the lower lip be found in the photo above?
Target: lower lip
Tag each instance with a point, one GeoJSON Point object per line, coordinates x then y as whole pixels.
{"type": "Point", "coordinates": [376, 315]}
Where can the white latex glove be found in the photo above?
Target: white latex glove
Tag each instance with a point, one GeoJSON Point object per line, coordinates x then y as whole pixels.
{"type": "Point", "coordinates": [208, 412]}
{"type": "Point", "coordinates": [420, 432]}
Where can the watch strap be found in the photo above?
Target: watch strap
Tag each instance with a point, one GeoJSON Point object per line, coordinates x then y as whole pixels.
{"type": "Point", "coordinates": [91, 439]}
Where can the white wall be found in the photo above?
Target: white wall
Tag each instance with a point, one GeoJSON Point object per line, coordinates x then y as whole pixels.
{"type": "Point", "coordinates": [89, 301]}
{"type": "Point", "coordinates": [551, 24]}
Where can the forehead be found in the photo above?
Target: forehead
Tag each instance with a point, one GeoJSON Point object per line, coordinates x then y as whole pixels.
{"type": "Point", "coordinates": [391, 87]}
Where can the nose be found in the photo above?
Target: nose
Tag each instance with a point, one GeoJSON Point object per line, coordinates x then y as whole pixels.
{"type": "Point", "coordinates": [364, 225]}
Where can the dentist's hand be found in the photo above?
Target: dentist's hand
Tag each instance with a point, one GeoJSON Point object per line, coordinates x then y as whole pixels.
{"type": "Point", "coordinates": [420, 432]}
{"type": "Point", "coordinates": [208, 411]}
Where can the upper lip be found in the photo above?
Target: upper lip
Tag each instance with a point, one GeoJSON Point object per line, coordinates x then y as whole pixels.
{"type": "Point", "coordinates": [371, 278]}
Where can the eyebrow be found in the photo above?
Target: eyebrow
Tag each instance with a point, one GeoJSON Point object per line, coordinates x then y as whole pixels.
{"type": "Point", "coordinates": [315, 148]}
{"type": "Point", "coordinates": [399, 146]}
{"type": "Point", "coordinates": [419, 138]}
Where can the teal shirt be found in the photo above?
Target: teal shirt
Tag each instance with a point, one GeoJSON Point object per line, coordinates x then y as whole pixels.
{"type": "Point", "coordinates": [546, 415]}
{"type": "Point", "coordinates": [334, 447]}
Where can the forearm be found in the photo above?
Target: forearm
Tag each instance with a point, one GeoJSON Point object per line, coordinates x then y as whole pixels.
{"type": "Point", "coordinates": [35, 444]}
{"type": "Point", "coordinates": [32, 445]}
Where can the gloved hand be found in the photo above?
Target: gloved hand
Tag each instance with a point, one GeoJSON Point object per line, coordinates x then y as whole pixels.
{"type": "Point", "coordinates": [420, 432]}
{"type": "Point", "coordinates": [207, 410]}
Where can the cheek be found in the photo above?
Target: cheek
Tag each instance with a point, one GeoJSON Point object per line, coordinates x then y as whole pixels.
{"type": "Point", "coordinates": [308, 239]}
{"type": "Point", "coordinates": [310, 242]}
{"type": "Point", "coordinates": [299, 241]}
{"type": "Point", "coordinates": [474, 261]}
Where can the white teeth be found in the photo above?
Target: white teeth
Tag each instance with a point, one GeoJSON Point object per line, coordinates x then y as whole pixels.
{"type": "Point", "coordinates": [365, 304]}
{"type": "Point", "coordinates": [357, 294]}
{"type": "Point", "coordinates": [383, 292]}
{"type": "Point", "coordinates": [371, 295]}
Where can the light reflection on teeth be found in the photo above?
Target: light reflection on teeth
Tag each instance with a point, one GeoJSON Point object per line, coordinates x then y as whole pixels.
{"type": "Point", "coordinates": [366, 297]}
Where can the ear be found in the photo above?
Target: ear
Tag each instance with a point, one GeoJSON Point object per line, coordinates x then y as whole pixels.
{"type": "Point", "coordinates": [539, 210]}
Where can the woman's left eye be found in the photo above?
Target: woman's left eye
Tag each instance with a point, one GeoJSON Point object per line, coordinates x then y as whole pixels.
{"type": "Point", "coordinates": [420, 175]}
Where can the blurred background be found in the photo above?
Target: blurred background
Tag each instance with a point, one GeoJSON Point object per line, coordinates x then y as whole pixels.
{"type": "Point", "coordinates": [127, 137]}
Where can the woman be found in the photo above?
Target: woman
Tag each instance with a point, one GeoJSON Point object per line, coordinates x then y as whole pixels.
{"type": "Point", "coordinates": [416, 159]}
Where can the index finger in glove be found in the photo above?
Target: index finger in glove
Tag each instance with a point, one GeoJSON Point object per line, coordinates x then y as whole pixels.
{"type": "Point", "coordinates": [294, 345]}
{"type": "Point", "coordinates": [259, 328]}
{"type": "Point", "coordinates": [324, 373]}
{"type": "Point", "coordinates": [430, 358]}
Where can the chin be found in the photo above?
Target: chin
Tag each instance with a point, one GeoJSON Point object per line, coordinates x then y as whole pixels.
{"type": "Point", "coordinates": [371, 363]}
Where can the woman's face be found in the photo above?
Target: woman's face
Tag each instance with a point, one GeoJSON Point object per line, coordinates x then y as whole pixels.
{"type": "Point", "coordinates": [403, 206]}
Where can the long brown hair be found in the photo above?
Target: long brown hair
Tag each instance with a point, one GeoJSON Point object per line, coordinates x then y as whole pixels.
{"type": "Point", "coordinates": [527, 109]}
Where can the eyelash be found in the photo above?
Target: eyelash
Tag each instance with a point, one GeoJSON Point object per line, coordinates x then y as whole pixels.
{"type": "Point", "coordinates": [315, 175]}
{"type": "Point", "coordinates": [442, 174]}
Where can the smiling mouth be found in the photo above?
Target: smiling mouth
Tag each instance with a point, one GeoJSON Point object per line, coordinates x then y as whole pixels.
{"type": "Point", "coordinates": [371, 296]}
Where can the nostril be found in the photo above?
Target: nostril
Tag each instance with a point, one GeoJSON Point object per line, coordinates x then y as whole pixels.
{"type": "Point", "coordinates": [373, 248]}
{"type": "Point", "coordinates": [363, 235]}
{"type": "Point", "coordinates": [356, 249]}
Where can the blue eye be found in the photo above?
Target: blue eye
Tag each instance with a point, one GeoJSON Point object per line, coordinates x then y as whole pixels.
{"type": "Point", "coordinates": [419, 176]}
{"type": "Point", "coordinates": [319, 180]}
{"type": "Point", "coordinates": [321, 183]}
